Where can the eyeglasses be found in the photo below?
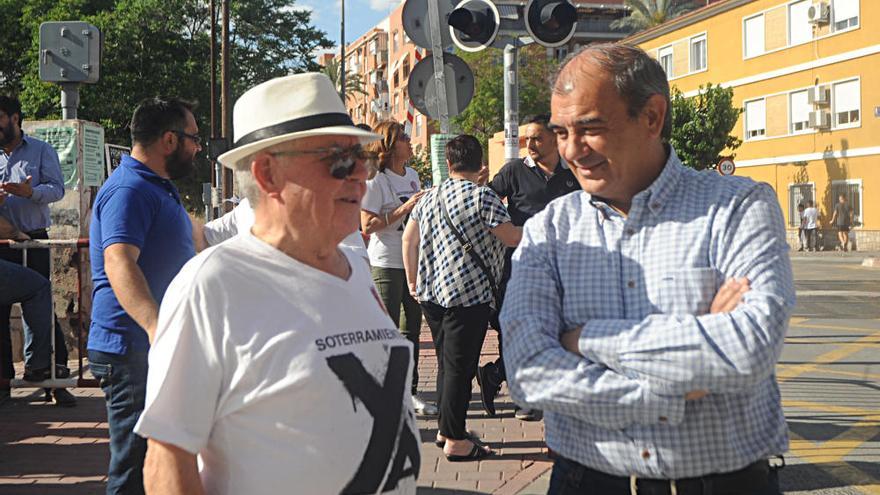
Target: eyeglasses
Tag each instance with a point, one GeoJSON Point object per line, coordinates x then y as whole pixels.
{"type": "Point", "coordinates": [195, 137]}
{"type": "Point", "coordinates": [340, 160]}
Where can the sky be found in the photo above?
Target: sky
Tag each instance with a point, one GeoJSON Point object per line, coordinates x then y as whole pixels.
{"type": "Point", "coordinates": [360, 15]}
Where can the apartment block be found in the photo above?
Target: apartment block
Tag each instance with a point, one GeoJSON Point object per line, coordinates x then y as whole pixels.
{"type": "Point", "coordinates": [807, 74]}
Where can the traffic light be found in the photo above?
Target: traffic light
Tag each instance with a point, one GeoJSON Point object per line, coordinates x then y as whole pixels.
{"type": "Point", "coordinates": [550, 23]}
{"type": "Point", "coordinates": [474, 24]}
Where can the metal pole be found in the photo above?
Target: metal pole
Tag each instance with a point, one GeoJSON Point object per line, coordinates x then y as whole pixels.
{"type": "Point", "coordinates": [216, 170]}
{"type": "Point", "coordinates": [511, 101]}
{"type": "Point", "coordinates": [69, 100]}
{"type": "Point", "coordinates": [225, 109]}
{"type": "Point", "coordinates": [342, 54]}
{"type": "Point", "coordinates": [439, 72]}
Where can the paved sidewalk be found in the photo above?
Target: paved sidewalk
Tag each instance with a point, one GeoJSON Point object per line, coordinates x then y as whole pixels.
{"type": "Point", "coordinates": [48, 450]}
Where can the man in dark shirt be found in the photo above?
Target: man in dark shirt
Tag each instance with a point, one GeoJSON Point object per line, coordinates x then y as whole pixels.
{"type": "Point", "coordinates": [528, 184]}
{"type": "Point", "coordinates": [842, 218]}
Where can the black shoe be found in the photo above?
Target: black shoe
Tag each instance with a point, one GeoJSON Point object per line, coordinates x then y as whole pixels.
{"type": "Point", "coordinates": [62, 371]}
{"type": "Point", "coordinates": [528, 414]}
{"type": "Point", "coordinates": [63, 398]}
{"type": "Point", "coordinates": [487, 377]}
{"type": "Point", "coordinates": [35, 374]}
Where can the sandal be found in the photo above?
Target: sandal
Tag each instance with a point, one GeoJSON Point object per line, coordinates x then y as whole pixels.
{"type": "Point", "coordinates": [470, 436]}
{"type": "Point", "coordinates": [475, 454]}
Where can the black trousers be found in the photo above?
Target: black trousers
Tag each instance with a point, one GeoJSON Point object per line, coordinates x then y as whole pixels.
{"type": "Point", "coordinates": [502, 291]}
{"type": "Point", "coordinates": [458, 334]}
{"type": "Point", "coordinates": [38, 260]}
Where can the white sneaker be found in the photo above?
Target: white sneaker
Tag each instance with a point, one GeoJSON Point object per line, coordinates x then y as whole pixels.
{"type": "Point", "coordinates": [424, 408]}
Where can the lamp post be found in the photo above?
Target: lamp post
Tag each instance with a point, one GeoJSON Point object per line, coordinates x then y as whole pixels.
{"type": "Point", "coordinates": [342, 54]}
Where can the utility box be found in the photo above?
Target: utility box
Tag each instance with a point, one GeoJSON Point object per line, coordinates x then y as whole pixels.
{"type": "Point", "coordinates": [70, 52]}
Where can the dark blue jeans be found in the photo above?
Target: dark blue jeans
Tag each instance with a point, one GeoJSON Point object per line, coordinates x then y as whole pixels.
{"type": "Point", "coordinates": [20, 284]}
{"type": "Point", "coordinates": [569, 478]}
{"type": "Point", "coordinates": [124, 381]}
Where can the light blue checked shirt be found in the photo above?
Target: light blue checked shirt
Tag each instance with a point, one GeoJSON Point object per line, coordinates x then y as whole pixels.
{"type": "Point", "coordinates": [641, 287]}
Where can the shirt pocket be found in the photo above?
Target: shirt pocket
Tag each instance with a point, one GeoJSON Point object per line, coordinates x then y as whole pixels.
{"type": "Point", "coordinates": [687, 291]}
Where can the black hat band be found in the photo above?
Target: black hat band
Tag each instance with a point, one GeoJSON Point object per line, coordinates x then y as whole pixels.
{"type": "Point", "coordinates": [296, 125]}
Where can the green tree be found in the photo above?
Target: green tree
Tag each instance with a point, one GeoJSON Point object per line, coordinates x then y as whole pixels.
{"type": "Point", "coordinates": [160, 47]}
{"type": "Point", "coordinates": [421, 163]}
{"type": "Point", "coordinates": [484, 116]}
{"type": "Point", "coordinates": [649, 13]}
{"type": "Point", "coordinates": [354, 83]}
{"type": "Point", "coordinates": [701, 126]}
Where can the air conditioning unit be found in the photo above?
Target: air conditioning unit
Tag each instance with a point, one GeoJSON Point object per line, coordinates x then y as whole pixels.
{"type": "Point", "coordinates": [820, 119]}
{"type": "Point", "coordinates": [819, 13]}
{"type": "Point", "coordinates": [819, 95]}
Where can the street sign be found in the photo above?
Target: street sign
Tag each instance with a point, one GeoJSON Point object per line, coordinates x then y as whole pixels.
{"type": "Point", "coordinates": [459, 86]}
{"type": "Point", "coordinates": [416, 25]}
{"type": "Point", "coordinates": [113, 154]}
{"type": "Point", "coordinates": [70, 52]}
{"type": "Point", "coordinates": [726, 166]}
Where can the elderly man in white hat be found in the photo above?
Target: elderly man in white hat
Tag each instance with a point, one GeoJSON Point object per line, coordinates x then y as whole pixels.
{"type": "Point", "coordinates": [275, 368]}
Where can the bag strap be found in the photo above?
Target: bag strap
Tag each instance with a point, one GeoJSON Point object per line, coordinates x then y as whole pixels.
{"type": "Point", "coordinates": [468, 247]}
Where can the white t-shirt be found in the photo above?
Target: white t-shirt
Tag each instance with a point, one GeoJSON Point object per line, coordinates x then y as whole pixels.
{"type": "Point", "coordinates": [281, 377]}
{"type": "Point", "coordinates": [811, 214]}
{"type": "Point", "coordinates": [385, 193]}
{"type": "Point", "coordinates": [241, 218]}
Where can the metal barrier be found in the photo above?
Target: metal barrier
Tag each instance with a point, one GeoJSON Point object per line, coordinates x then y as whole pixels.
{"type": "Point", "coordinates": [53, 381]}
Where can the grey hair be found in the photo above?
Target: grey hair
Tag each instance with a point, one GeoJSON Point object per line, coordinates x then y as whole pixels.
{"type": "Point", "coordinates": [636, 76]}
{"type": "Point", "coordinates": [244, 179]}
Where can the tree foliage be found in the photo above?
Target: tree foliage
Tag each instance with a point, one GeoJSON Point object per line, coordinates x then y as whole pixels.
{"type": "Point", "coordinates": [155, 47]}
{"type": "Point", "coordinates": [484, 116]}
{"type": "Point", "coordinates": [701, 126]}
{"type": "Point", "coordinates": [354, 83]}
{"type": "Point", "coordinates": [645, 14]}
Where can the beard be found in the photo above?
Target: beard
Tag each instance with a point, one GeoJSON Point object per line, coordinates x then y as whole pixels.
{"type": "Point", "coordinates": [7, 134]}
{"type": "Point", "coordinates": [178, 164]}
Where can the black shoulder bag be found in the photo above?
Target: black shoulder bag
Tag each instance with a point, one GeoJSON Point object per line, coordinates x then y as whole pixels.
{"type": "Point", "coordinates": [469, 249]}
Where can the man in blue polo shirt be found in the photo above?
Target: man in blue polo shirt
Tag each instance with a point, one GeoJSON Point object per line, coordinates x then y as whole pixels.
{"type": "Point", "coordinates": [30, 179]}
{"type": "Point", "coordinates": [140, 237]}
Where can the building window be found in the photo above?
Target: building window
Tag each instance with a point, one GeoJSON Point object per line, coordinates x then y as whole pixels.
{"type": "Point", "coordinates": [798, 194]}
{"type": "Point", "coordinates": [665, 57]}
{"type": "Point", "coordinates": [396, 79]}
{"type": "Point", "coordinates": [396, 103]}
{"type": "Point", "coordinates": [845, 14]}
{"type": "Point", "coordinates": [406, 67]}
{"type": "Point", "coordinates": [418, 125]}
{"type": "Point", "coordinates": [756, 119]}
{"type": "Point", "coordinates": [852, 190]}
{"type": "Point", "coordinates": [698, 53]}
{"type": "Point", "coordinates": [800, 111]}
{"type": "Point", "coordinates": [394, 42]}
{"type": "Point", "coordinates": [754, 36]}
{"type": "Point", "coordinates": [846, 103]}
{"type": "Point", "coordinates": [799, 28]}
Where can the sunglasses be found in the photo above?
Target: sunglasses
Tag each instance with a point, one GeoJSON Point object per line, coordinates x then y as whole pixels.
{"type": "Point", "coordinates": [341, 161]}
{"type": "Point", "coordinates": [195, 138]}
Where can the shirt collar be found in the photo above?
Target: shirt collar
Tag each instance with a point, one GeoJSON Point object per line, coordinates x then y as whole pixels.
{"type": "Point", "coordinates": [139, 168]}
{"type": "Point", "coordinates": [562, 165]}
{"type": "Point", "coordinates": [660, 191]}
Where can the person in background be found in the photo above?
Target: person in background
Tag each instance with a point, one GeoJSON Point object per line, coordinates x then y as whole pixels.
{"type": "Point", "coordinates": [811, 225]}
{"type": "Point", "coordinates": [139, 238]}
{"type": "Point", "coordinates": [842, 219]}
{"type": "Point", "coordinates": [801, 223]}
{"type": "Point", "coordinates": [30, 180]}
{"type": "Point", "coordinates": [457, 286]}
{"type": "Point", "coordinates": [528, 184]}
{"type": "Point", "coordinates": [391, 195]}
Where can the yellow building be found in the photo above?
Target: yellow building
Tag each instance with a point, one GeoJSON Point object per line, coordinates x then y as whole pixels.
{"type": "Point", "coordinates": [807, 73]}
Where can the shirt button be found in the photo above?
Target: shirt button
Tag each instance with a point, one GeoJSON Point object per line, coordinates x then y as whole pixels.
{"type": "Point", "coordinates": [646, 454]}
{"type": "Point", "coordinates": [631, 284]}
{"type": "Point", "coordinates": [630, 231]}
{"type": "Point", "coordinates": [655, 205]}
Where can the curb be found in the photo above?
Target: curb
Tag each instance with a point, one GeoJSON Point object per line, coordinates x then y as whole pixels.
{"type": "Point", "coordinates": [871, 262]}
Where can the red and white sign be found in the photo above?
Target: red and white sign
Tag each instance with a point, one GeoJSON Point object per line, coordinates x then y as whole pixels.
{"type": "Point", "coordinates": [726, 166]}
